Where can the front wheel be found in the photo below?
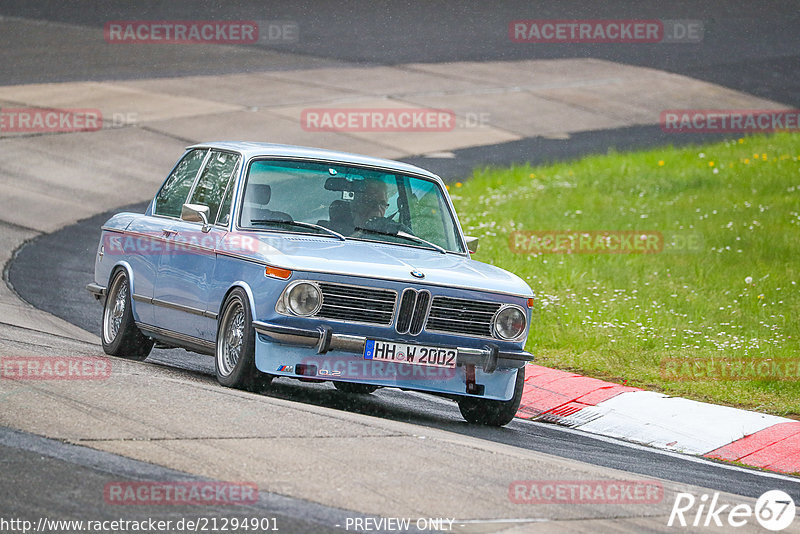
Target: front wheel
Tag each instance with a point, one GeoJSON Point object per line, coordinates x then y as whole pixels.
{"type": "Point", "coordinates": [121, 337]}
{"type": "Point", "coordinates": [493, 412]}
{"type": "Point", "coordinates": [235, 361]}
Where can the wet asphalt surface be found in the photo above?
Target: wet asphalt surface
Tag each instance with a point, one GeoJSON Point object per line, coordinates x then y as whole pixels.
{"type": "Point", "coordinates": [747, 47]}
{"type": "Point", "coordinates": [75, 247]}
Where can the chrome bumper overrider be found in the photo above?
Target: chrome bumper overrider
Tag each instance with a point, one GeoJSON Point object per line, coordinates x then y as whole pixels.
{"type": "Point", "coordinates": [324, 339]}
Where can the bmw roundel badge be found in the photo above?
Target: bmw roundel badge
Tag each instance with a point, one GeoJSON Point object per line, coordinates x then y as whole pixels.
{"type": "Point", "coordinates": [417, 274]}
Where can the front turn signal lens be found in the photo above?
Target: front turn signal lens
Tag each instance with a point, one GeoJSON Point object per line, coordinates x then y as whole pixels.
{"type": "Point", "coordinates": [530, 302]}
{"type": "Point", "coordinates": [277, 272]}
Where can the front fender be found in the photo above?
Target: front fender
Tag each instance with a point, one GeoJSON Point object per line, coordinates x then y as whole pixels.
{"type": "Point", "coordinates": [247, 289]}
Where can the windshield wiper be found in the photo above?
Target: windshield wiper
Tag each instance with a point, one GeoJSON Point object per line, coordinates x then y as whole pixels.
{"type": "Point", "coordinates": [301, 224]}
{"type": "Point", "coordinates": [412, 237]}
{"type": "Point", "coordinates": [405, 235]}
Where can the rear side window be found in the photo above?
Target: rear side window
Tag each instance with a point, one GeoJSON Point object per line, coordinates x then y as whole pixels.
{"type": "Point", "coordinates": [212, 184]}
{"type": "Point", "coordinates": [175, 190]}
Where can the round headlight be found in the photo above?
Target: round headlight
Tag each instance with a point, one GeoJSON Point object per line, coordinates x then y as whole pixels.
{"type": "Point", "coordinates": [509, 323]}
{"type": "Point", "coordinates": [304, 299]}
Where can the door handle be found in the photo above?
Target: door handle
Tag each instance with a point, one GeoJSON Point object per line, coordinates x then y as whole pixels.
{"type": "Point", "coordinates": [167, 232]}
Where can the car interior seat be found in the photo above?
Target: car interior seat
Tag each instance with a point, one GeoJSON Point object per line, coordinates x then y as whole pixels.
{"type": "Point", "coordinates": [255, 203]}
{"type": "Point", "coordinates": [340, 217]}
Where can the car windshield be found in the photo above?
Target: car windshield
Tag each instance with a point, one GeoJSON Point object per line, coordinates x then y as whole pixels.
{"type": "Point", "coordinates": [355, 203]}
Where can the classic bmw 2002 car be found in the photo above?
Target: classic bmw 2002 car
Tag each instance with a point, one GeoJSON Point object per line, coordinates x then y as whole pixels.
{"type": "Point", "coordinates": [294, 262]}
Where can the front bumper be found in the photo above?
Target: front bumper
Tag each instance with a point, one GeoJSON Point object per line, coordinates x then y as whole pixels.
{"type": "Point", "coordinates": [324, 339]}
{"type": "Point", "coordinates": [97, 291]}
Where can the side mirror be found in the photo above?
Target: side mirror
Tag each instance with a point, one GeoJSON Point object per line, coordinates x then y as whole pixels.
{"type": "Point", "coordinates": [196, 213]}
{"type": "Point", "coordinates": [472, 244]}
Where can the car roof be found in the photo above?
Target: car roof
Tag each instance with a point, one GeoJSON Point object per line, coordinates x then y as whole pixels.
{"type": "Point", "coordinates": [251, 149]}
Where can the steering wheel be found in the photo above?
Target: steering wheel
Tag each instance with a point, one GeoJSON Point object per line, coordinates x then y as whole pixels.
{"type": "Point", "coordinates": [387, 225]}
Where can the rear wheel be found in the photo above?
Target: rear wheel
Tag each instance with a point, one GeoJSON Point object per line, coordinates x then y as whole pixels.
{"type": "Point", "coordinates": [493, 412]}
{"type": "Point", "coordinates": [235, 361]}
{"type": "Point", "coordinates": [121, 337]}
{"type": "Point", "coordinates": [358, 389]}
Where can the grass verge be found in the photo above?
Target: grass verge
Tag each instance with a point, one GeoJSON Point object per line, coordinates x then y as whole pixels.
{"type": "Point", "coordinates": [709, 312]}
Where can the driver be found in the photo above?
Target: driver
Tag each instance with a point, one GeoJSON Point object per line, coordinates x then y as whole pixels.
{"type": "Point", "coordinates": [370, 203]}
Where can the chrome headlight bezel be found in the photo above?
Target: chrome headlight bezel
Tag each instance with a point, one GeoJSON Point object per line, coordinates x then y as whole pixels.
{"type": "Point", "coordinates": [292, 304]}
{"type": "Point", "coordinates": [501, 316]}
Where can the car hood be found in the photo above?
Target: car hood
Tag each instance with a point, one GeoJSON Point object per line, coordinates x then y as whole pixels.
{"type": "Point", "coordinates": [378, 260]}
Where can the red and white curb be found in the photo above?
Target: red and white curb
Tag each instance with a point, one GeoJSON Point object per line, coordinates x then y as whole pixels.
{"type": "Point", "coordinates": [658, 420]}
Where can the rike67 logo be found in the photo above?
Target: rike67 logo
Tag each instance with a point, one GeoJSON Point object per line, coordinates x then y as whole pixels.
{"type": "Point", "coordinates": [774, 510]}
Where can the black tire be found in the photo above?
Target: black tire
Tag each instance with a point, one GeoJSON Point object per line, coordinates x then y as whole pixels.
{"type": "Point", "coordinates": [493, 412]}
{"type": "Point", "coordinates": [235, 354]}
{"type": "Point", "coordinates": [356, 389]}
{"type": "Point", "coordinates": [120, 335]}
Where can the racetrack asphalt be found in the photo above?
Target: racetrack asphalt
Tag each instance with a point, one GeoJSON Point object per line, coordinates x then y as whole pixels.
{"type": "Point", "coordinates": [745, 46]}
{"type": "Point", "coordinates": [752, 52]}
{"type": "Point", "coordinates": [75, 247]}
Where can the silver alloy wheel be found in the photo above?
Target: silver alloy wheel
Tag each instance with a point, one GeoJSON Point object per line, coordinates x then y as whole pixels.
{"type": "Point", "coordinates": [115, 308]}
{"type": "Point", "coordinates": [231, 338]}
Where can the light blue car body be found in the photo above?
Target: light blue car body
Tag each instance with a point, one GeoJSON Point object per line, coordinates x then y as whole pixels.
{"type": "Point", "coordinates": [176, 298]}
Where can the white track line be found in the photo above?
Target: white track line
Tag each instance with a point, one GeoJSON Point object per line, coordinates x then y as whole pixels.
{"type": "Point", "coordinates": [630, 445]}
{"type": "Point", "coordinates": [696, 459]}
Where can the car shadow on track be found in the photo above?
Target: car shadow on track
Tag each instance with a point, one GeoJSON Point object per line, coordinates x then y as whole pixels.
{"type": "Point", "coordinates": [386, 403]}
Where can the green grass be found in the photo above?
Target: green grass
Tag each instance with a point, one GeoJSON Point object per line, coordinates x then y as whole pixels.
{"type": "Point", "coordinates": [619, 316]}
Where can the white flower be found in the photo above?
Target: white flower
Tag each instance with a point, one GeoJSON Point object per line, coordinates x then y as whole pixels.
{"type": "Point", "coordinates": [748, 280]}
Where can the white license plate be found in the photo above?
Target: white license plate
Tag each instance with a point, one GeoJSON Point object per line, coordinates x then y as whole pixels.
{"type": "Point", "coordinates": [386, 351]}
